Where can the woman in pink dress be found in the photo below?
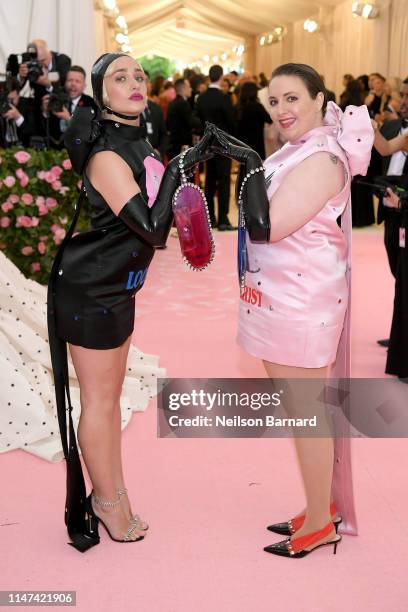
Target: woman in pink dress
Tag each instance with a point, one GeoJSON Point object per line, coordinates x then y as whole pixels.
{"type": "Point", "coordinates": [299, 325]}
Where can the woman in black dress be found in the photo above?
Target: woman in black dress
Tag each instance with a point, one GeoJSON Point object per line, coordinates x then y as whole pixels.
{"type": "Point", "coordinates": [93, 284]}
{"type": "Point", "coordinates": [251, 117]}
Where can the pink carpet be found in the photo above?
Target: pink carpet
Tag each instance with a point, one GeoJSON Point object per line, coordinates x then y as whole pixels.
{"type": "Point", "coordinates": [208, 501]}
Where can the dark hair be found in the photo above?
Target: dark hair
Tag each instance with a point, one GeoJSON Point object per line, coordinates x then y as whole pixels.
{"type": "Point", "coordinates": [77, 69]}
{"type": "Point", "coordinates": [178, 84]}
{"type": "Point", "coordinates": [352, 95]}
{"type": "Point", "coordinates": [234, 72]}
{"type": "Point", "coordinates": [248, 94]}
{"type": "Point", "coordinates": [378, 76]}
{"type": "Point", "coordinates": [157, 85]}
{"type": "Point", "coordinates": [215, 73]}
{"type": "Point", "coordinates": [147, 73]}
{"type": "Point", "coordinates": [405, 81]}
{"type": "Point", "coordinates": [263, 81]}
{"type": "Point", "coordinates": [363, 79]}
{"type": "Point", "coordinates": [308, 75]}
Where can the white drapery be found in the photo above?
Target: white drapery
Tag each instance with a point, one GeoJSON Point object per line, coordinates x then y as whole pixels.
{"type": "Point", "coordinates": [346, 44]}
{"type": "Point", "coordinates": [67, 26]}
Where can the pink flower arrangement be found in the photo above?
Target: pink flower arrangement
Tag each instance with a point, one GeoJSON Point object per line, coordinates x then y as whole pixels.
{"type": "Point", "coordinates": [22, 176]}
{"type": "Point", "coordinates": [41, 248]}
{"type": "Point", "coordinates": [6, 206]}
{"type": "Point", "coordinates": [59, 235]}
{"type": "Point", "coordinates": [35, 266]}
{"type": "Point", "coordinates": [27, 250]}
{"type": "Point", "coordinates": [57, 171]}
{"type": "Point", "coordinates": [66, 164]}
{"type": "Point", "coordinates": [27, 198]}
{"type": "Point", "coordinates": [24, 221]}
{"type": "Point", "coordinates": [51, 203]}
{"type": "Point", "coordinates": [4, 222]}
{"type": "Point", "coordinates": [22, 157]}
{"type": "Point", "coordinates": [9, 181]}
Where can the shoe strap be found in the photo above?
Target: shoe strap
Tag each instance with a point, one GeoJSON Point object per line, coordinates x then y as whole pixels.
{"type": "Point", "coordinates": [297, 544]}
{"type": "Point", "coordinates": [296, 522]}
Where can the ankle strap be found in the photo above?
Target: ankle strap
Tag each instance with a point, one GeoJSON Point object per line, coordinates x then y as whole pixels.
{"type": "Point", "coordinates": [302, 542]}
{"type": "Point", "coordinates": [105, 504]}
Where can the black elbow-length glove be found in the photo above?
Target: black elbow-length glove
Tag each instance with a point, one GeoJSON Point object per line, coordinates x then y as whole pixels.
{"type": "Point", "coordinates": [254, 195]}
{"type": "Point", "coordinates": [153, 224]}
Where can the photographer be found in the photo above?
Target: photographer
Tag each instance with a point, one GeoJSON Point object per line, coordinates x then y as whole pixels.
{"type": "Point", "coordinates": [19, 121]}
{"type": "Point", "coordinates": [59, 106]}
{"type": "Point", "coordinates": [39, 70]}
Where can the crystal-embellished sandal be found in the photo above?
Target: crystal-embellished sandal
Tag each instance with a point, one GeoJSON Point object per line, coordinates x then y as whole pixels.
{"type": "Point", "coordinates": [135, 520]}
{"type": "Point", "coordinates": [94, 520]}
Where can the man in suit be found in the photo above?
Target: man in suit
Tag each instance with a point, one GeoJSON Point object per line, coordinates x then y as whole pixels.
{"type": "Point", "coordinates": [395, 168]}
{"type": "Point", "coordinates": [180, 119]}
{"type": "Point", "coordinates": [153, 120]}
{"type": "Point", "coordinates": [20, 121]}
{"type": "Point", "coordinates": [215, 106]}
{"type": "Point", "coordinates": [54, 70]}
{"type": "Point", "coordinates": [56, 122]}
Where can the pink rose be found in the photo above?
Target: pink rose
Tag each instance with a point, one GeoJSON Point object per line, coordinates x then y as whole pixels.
{"type": "Point", "coordinates": [42, 210]}
{"type": "Point", "coordinates": [56, 185]}
{"type": "Point", "coordinates": [4, 222]}
{"type": "Point", "coordinates": [51, 203]}
{"type": "Point", "coordinates": [27, 250]}
{"type": "Point", "coordinates": [24, 221]}
{"type": "Point", "coordinates": [43, 238]}
{"type": "Point", "coordinates": [9, 181]}
{"type": "Point", "coordinates": [63, 220]}
{"type": "Point", "coordinates": [41, 174]}
{"type": "Point", "coordinates": [66, 164]}
{"type": "Point", "coordinates": [35, 267]}
{"type": "Point", "coordinates": [57, 170]}
{"type": "Point", "coordinates": [6, 206]}
{"type": "Point", "coordinates": [59, 235]}
{"type": "Point", "coordinates": [40, 200]}
{"type": "Point", "coordinates": [20, 173]}
{"type": "Point", "coordinates": [27, 198]}
{"type": "Point", "coordinates": [24, 181]}
{"type": "Point", "coordinates": [55, 227]}
{"type": "Point", "coordinates": [41, 248]}
{"type": "Point", "coordinates": [63, 190]}
{"type": "Point", "coordinates": [34, 221]}
{"type": "Point", "coordinates": [50, 177]}
{"type": "Point", "coordinates": [22, 157]}
{"type": "Point", "coordinates": [13, 198]}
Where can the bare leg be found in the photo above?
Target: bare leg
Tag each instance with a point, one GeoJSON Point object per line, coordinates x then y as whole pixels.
{"type": "Point", "coordinates": [315, 455]}
{"type": "Point", "coordinates": [100, 379]}
{"type": "Point", "coordinates": [117, 445]}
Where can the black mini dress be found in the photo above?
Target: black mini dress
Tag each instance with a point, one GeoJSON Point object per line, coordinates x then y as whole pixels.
{"type": "Point", "coordinates": [101, 270]}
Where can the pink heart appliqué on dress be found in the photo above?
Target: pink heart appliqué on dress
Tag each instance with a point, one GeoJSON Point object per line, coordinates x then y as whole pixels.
{"type": "Point", "coordinates": [154, 173]}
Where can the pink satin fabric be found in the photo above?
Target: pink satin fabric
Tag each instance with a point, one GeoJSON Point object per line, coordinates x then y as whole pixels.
{"type": "Point", "coordinates": [301, 314]}
{"type": "Point", "coordinates": [154, 174]}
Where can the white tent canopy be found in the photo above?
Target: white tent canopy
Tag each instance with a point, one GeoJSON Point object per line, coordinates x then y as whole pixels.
{"type": "Point", "coordinates": [193, 28]}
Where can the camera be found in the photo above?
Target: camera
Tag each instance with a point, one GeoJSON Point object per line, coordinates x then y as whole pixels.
{"type": "Point", "coordinates": [30, 57]}
{"type": "Point", "coordinates": [4, 93]}
{"type": "Point", "coordinates": [57, 100]}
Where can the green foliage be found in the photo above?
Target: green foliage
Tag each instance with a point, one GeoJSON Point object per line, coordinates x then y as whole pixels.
{"type": "Point", "coordinates": [157, 65]}
{"type": "Point", "coordinates": [37, 198]}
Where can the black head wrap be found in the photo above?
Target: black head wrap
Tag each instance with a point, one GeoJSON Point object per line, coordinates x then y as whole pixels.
{"type": "Point", "coordinates": [97, 75]}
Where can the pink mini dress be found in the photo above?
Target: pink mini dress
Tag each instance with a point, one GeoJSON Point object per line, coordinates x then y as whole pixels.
{"type": "Point", "coordinates": [295, 307]}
